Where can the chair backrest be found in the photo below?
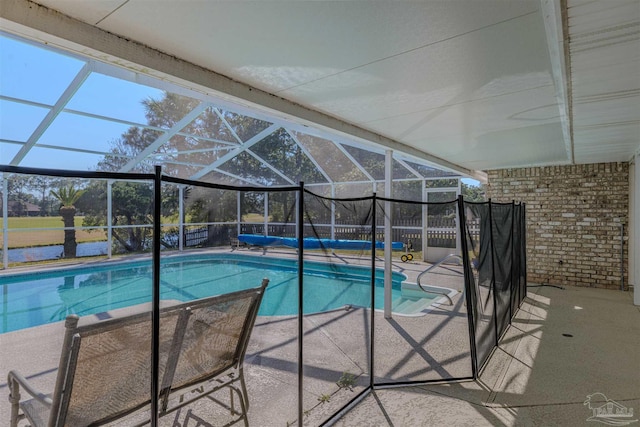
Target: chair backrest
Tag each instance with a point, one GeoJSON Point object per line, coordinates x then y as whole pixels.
{"type": "Point", "coordinates": [105, 367]}
{"type": "Point", "coordinates": [216, 337]}
{"type": "Point", "coordinates": [108, 368]}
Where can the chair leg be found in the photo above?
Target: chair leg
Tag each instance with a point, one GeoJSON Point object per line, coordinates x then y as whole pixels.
{"type": "Point", "coordinates": [245, 395]}
{"type": "Point", "coordinates": [243, 406]}
{"type": "Point", "coordinates": [14, 399]}
{"type": "Point", "coordinates": [231, 400]}
{"type": "Point", "coordinates": [200, 422]}
{"type": "Point", "coordinates": [230, 405]}
{"type": "Point", "coordinates": [176, 420]}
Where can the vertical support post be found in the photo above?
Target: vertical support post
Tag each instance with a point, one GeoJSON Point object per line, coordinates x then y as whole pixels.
{"type": "Point", "coordinates": [109, 218]}
{"type": "Point", "coordinates": [633, 258]}
{"type": "Point", "coordinates": [300, 232]}
{"type": "Point", "coordinates": [298, 219]}
{"type": "Point", "coordinates": [181, 218]}
{"type": "Point", "coordinates": [333, 211]}
{"type": "Point", "coordinates": [524, 248]}
{"type": "Point", "coordinates": [513, 258]}
{"type": "Point", "coordinates": [621, 255]}
{"type": "Point", "coordinates": [493, 273]}
{"type": "Point", "coordinates": [5, 221]}
{"type": "Point", "coordinates": [239, 211]}
{"type": "Point", "coordinates": [517, 231]}
{"type": "Point", "coordinates": [373, 294]}
{"type": "Point", "coordinates": [425, 220]}
{"type": "Point", "coordinates": [388, 234]}
{"type": "Point", "coordinates": [468, 290]}
{"type": "Point", "coordinates": [457, 225]}
{"type": "Point", "coordinates": [265, 232]}
{"type": "Point", "coordinates": [155, 308]}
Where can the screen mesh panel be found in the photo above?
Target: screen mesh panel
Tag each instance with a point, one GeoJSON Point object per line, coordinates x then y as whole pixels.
{"type": "Point", "coordinates": [497, 276]}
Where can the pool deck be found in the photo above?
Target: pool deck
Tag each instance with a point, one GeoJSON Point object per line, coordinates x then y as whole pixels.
{"type": "Point", "coordinates": [537, 376]}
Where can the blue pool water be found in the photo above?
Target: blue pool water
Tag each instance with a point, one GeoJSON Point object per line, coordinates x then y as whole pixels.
{"type": "Point", "coordinates": [33, 299]}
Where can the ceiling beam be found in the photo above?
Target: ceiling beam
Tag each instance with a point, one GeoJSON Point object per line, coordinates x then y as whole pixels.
{"type": "Point", "coordinates": [309, 156]}
{"type": "Point", "coordinates": [170, 133]}
{"type": "Point", "coordinates": [238, 177]}
{"type": "Point", "coordinates": [554, 13]}
{"type": "Point", "coordinates": [354, 161]}
{"type": "Point", "coordinates": [111, 119]}
{"type": "Point", "coordinates": [231, 154]}
{"type": "Point", "coordinates": [269, 166]}
{"type": "Point", "coordinates": [66, 96]}
{"type": "Point", "coordinates": [410, 169]}
{"type": "Point", "coordinates": [227, 125]}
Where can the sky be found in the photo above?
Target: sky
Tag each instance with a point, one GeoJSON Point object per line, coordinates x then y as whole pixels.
{"type": "Point", "coordinates": [41, 76]}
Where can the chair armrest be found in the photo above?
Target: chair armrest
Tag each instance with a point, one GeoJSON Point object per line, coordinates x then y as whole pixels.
{"type": "Point", "coordinates": [16, 377]}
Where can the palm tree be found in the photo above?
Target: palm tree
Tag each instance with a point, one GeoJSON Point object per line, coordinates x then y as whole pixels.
{"type": "Point", "coordinates": [68, 196]}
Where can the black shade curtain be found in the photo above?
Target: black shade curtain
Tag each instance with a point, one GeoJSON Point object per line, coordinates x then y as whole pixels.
{"type": "Point", "coordinates": [494, 247]}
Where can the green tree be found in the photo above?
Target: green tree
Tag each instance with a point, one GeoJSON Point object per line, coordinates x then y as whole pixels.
{"type": "Point", "coordinates": [39, 185]}
{"type": "Point", "coordinates": [68, 197]}
{"type": "Point", "coordinates": [211, 135]}
{"type": "Point", "coordinates": [132, 207]}
{"type": "Point", "coordinates": [17, 197]}
{"type": "Point", "coordinates": [473, 193]}
{"type": "Point", "coordinates": [132, 203]}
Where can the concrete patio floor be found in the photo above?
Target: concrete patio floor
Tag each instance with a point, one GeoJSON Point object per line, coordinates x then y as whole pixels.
{"type": "Point", "coordinates": [537, 376]}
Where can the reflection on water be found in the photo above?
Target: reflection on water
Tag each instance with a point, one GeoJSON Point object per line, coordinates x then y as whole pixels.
{"type": "Point", "coordinates": [43, 253]}
{"type": "Point", "coordinates": [40, 297]}
{"type": "Point", "coordinates": [85, 294]}
{"type": "Point", "coordinates": [47, 297]}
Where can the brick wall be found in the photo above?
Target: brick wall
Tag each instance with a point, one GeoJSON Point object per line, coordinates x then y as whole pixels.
{"type": "Point", "coordinates": [573, 220]}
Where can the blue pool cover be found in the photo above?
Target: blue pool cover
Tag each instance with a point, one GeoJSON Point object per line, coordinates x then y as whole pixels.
{"type": "Point", "coordinates": [313, 243]}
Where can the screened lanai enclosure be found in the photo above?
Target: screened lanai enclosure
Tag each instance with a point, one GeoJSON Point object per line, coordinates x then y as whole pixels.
{"type": "Point", "coordinates": [75, 113]}
{"type": "Point", "coordinates": [128, 199]}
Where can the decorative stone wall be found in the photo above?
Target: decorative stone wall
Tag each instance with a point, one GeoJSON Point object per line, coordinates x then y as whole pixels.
{"type": "Point", "coordinates": [574, 216]}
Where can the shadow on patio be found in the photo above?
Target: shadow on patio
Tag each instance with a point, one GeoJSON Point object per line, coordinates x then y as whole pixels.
{"type": "Point", "coordinates": [563, 346]}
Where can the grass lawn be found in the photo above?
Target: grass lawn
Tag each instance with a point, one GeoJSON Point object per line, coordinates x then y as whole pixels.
{"type": "Point", "coordinates": [254, 217]}
{"type": "Point", "coordinates": [23, 239]}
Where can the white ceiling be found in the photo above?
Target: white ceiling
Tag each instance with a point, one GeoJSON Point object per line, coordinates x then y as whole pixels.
{"type": "Point", "coordinates": [605, 74]}
{"type": "Point", "coordinates": [483, 84]}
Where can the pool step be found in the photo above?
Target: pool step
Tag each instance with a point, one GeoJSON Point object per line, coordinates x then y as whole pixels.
{"type": "Point", "coordinates": [410, 305]}
{"type": "Point", "coordinates": [411, 290]}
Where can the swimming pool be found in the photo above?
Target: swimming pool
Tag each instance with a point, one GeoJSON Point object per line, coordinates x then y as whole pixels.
{"type": "Point", "coordinates": [36, 298]}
